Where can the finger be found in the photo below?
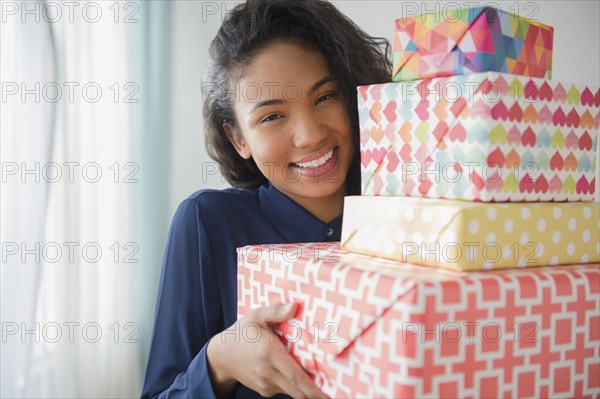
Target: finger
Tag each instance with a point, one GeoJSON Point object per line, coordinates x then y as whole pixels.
{"type": "Point", "coordinates": [295, 375]}
{"type": "Point", "coordinates": [276, 313]}
{"type": "Point", "coordinates": [287, 386]}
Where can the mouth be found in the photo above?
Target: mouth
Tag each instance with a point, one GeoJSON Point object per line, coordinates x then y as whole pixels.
{"type": "Point", "coordinates": [319, 164]}
{"type": "Point", "coordinates": [316, 162]}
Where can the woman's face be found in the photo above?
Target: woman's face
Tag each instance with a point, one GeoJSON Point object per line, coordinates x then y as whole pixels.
{"type": "Point", "coordinates": [292, 121]}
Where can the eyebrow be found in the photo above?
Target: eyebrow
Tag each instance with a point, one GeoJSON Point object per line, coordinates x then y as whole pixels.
{"type": "Point", "coordinates": [321, 82]}
{"type": "Point", "coordinates": [313, 88]}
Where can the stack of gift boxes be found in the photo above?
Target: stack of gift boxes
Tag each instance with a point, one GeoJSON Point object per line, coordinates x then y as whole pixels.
{"type": "Point", "coordinates": [473, 162]}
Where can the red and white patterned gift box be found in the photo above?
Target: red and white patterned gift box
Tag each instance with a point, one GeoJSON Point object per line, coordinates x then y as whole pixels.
{"type": "Point", "coordinates": [489, 137]}
{"type": "Point", "coordinates": [368, 327]}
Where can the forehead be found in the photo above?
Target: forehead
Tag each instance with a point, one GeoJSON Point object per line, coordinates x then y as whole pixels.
{"type": "Point", "coordinates": [279, 67]}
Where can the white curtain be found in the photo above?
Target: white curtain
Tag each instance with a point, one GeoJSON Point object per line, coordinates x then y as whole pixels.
{"type": "Point", "coordinates": [77, 277]}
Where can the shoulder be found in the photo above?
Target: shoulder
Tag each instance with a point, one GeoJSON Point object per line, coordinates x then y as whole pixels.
{"type": "Point", "coordinates": [226, 217]}
{"type": "Point", "coordinates": [227, 200]}
{"type": "Point", "coordinates": [212, 204]}
{"type": "Point", "coordinates": [210, 198]}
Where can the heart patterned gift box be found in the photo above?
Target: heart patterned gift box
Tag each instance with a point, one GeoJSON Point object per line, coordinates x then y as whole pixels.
{"type": "Point", "coordinates": [489, 137]}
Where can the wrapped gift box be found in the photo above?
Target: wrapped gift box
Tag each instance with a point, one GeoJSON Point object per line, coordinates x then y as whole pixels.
{"type": "Point", "coordinates": [463, 41]}
{"type": "Point", "coordinates": [480, 137]}
{"type": "Point", "coordinates": [464, 235]}
{"type": "Point", "coordinates": [369, 327]}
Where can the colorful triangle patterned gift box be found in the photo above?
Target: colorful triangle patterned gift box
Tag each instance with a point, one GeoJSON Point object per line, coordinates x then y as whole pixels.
{"type": "Point", "coordinates": [463, 41]}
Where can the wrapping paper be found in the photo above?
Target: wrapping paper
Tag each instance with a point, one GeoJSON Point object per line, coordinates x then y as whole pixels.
{"type": "Point", "coordinates": [463, 41]}
{"type": "Point", "coordinates": [480, 137]}
{"type": "Point", "coordinates": [369, 327]}
{"type": "Point", "coordinates": [464, 235]}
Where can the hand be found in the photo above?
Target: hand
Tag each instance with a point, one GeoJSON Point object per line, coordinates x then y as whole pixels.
{"type": "Point", "coordinates": [251, 353]}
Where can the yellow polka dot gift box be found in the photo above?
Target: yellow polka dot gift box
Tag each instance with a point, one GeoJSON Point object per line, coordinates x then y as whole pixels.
{"type": "Point", "coordinates": [463, 235]}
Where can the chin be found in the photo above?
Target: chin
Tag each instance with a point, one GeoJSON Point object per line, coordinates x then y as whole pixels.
{"type": "Point", "coordinates": [322, 189]}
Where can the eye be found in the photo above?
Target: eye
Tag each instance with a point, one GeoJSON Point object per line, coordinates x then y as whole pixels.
{"type": "Point", "coordinates": [271, 118]}
{"type": "Point", "coordinates": [326, 96]}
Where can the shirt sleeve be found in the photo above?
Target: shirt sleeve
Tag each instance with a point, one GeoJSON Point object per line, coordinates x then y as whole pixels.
{"type": "Point", "coordinates": [184, 317]}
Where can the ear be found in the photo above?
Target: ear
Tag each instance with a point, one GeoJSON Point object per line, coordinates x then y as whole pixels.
{"type": "Point", "coordinates": [236, 139]}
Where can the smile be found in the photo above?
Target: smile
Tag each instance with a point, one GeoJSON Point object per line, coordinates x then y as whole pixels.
{"type": "Point", "coordinates": [321, 164]}
{"type": "Point", "coordinates": [316, 162]}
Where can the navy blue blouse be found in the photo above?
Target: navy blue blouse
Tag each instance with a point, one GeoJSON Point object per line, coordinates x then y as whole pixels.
{"type": "Point", "coordinates": [197, 294]}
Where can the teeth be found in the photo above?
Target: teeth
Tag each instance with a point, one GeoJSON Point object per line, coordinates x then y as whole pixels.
{"type": "Point", "coordinates": [317, 162]}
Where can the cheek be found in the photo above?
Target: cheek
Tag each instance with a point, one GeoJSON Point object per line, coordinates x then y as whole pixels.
{"type": "Point", "coordinates": [269, 151]}
{"type": "Point", "coordinates": [342, 120]}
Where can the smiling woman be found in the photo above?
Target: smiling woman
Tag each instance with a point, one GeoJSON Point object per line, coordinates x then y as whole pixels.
{"type": "Point", "coordinates": [350, 55]}
{"type": "Point", "coordinates": [302, 145]}
{"type": "Point", "coordinates": [282, 124]}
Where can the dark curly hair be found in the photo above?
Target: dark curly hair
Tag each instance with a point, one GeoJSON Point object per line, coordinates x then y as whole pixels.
{"type": "Point", "coordinates": [354, 57]}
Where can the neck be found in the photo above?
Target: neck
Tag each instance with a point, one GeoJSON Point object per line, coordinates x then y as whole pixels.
{"type": "Point", "coordinates": [325, 209]}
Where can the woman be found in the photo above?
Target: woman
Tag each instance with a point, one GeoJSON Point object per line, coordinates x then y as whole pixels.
{"type": "Point", "coordinates": [282, 124]}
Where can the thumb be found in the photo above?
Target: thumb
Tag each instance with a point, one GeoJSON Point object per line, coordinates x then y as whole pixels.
{"type": "Point", "coordinates": [278, 313]}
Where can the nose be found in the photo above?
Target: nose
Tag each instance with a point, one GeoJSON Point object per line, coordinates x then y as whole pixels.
{"type": "Point", "coordinates": [309, 131]}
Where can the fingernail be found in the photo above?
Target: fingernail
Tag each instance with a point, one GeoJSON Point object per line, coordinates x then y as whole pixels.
{"type": "Point", "coordinates": [288, 307]}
